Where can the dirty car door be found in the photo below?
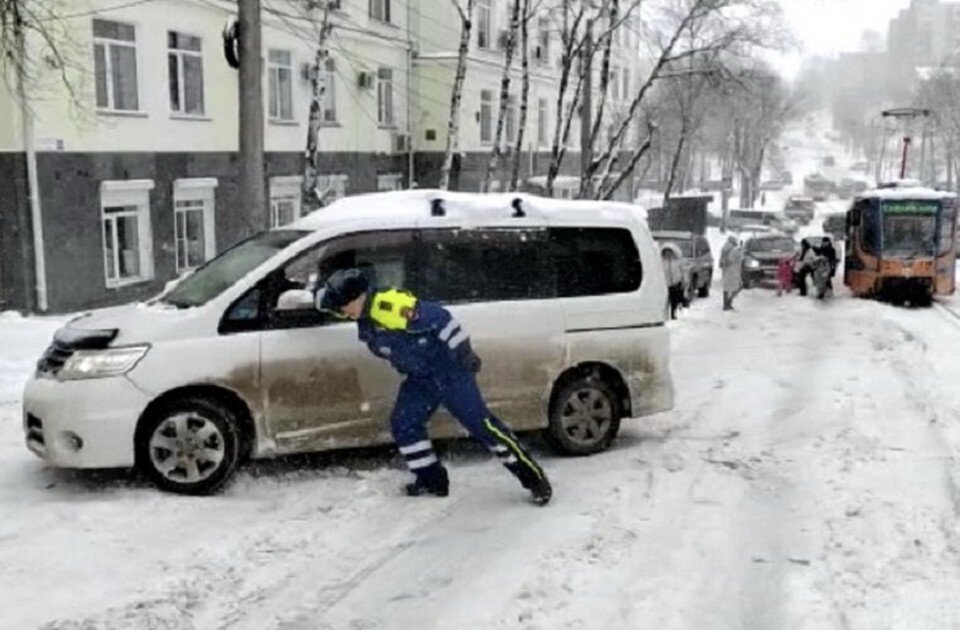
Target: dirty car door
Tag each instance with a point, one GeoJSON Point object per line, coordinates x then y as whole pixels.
{"type": "Point", "coordinates": [322, 388]}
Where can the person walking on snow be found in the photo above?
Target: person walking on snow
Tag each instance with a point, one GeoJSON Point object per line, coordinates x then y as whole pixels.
{"type": "Point", "coordinates": [785, 280]}
{"type": "Point", "coordinates": [422, 341]}
{"type": "Point", "coordinates": [670, 256]}
{"type": "Point", "coordinates": [731, 265]}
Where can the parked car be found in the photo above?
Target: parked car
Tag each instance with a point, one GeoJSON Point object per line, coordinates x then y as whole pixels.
{"type": "Point", "coordinates": [738, 218]}
{"type": "Point", "coordinates": [761, 255]}
{"type": "Point", "coordinates": [564, 300]}
{"type": "Point", "coordinates": [800, 209]}
{"type": "Point", "coordinates": [697, 260]}
{"type": "Point", "coordinates": [835, 225]}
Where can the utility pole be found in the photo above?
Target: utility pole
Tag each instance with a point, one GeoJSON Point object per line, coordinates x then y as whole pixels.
{"type": "Point", "coordinates": [586, 110]}
{"type": "Point", "coordinates": [252, 195]}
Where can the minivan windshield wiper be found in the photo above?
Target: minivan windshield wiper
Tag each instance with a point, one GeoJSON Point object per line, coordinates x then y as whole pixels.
{"type": "Point", "coordinates": [222, 272]}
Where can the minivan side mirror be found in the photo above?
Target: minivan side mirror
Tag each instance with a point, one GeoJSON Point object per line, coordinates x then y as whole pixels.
{"type": "Point", "coordinates": [295, 300]}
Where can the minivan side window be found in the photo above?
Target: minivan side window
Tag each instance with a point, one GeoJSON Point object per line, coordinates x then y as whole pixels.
{"type": "Point", "coordinates": [385, 257]}
{"type": "Point", "coordinates": [595, 261]}
{"type": "Point", "coordinates": [488, 265]}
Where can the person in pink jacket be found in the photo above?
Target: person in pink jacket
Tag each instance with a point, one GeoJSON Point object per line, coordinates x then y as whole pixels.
{"type": "Point", "coordinates": [785, 279]}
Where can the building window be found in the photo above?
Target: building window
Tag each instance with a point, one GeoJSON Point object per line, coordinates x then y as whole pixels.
{"type": "Point", "coordinates": [280, 88]}
{"type": "Point", "coordinates": [626, 84]}
{"type": "Point", "coordinates": [127, 239]}
{"type": "Point", "coordinates": [331, 187]}
{"type": "Point", "coordinates": [284, 200]}
{"type": "Point", "coordinates": [380, 10]}
{"type": "Point", "coordinates": [115, 66]}
{"type": "Point", "coordinates": [193, 213]}
{"type": "Point", "coordinates": [486, 117]}
{"type": "Point", "coordinates": [385, 96]}
{"type": "Point", "coordinates": [542, 122]}
{"type": "Point", "coordinates": [510, 124]}
{"type": "Point", "coordinates": [389, 181]}
{"type": "Point", "coordinates": [185, 65]}
{"type": "Point", "coordinates": [483, 24]}
{"type": "Point", "coordinates": [614, 79]}
{"type": "Point", "coordinates": [330, 92]}
{"type": "Point", "coordinates": [543, 40]}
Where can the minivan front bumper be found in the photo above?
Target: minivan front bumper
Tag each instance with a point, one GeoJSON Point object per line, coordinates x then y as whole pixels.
{"type": "Point", "coordinates": [86, 423]}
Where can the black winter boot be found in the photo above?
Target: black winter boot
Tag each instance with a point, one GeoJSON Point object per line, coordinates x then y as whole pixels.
{"type": "Point", "coordinates": [432, 480]}
{"type": "Point", "coordinates": [535, 481]}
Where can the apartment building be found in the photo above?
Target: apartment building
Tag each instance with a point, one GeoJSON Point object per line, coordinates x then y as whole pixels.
{"type": "Point", "coordinates": [139, 182]}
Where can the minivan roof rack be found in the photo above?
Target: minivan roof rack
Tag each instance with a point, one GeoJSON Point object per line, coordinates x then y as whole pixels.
{"type": "Point", "coordinates": [437, 209]}
{"type": "Point", "coordinates": [517, 205]}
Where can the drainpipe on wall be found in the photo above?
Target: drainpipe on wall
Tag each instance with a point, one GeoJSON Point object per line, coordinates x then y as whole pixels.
{"type": "Point", "coordinates": [33, 187]}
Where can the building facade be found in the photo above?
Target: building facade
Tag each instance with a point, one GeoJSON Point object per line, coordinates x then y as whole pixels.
{"type": "Point", "coordinates": [140, 183]}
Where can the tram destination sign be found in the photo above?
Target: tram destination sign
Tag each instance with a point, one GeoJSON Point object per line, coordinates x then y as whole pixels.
{"type": "Point", "coordinates": [911, 206]}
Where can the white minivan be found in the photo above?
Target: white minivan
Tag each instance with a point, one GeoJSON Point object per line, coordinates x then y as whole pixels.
{"type": "Point", "coordinates": [564, 300]}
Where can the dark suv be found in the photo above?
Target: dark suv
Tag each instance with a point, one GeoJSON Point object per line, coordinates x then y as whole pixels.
{"type": "Point", "coordinates": [762, 255]}
{"type": "Point", "coordinates": [800, 209]}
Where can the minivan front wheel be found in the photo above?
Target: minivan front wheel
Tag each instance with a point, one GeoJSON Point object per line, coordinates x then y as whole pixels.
{"type": "Point", "coordinates": [188, 446]}
{"type": "Point", "coordinates": [584, 417]}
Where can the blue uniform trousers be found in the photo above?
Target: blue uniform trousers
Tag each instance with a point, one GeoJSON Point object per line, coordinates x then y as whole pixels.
{"type": "Point", "coordinates": [419, 398]}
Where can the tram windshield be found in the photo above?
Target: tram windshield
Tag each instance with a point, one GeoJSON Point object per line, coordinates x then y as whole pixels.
{"type": "Point", "coordinates": [910, 228]}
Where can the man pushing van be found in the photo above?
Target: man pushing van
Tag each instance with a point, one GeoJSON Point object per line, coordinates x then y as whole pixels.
{"type": "Point", "coordinates": [422, 341]}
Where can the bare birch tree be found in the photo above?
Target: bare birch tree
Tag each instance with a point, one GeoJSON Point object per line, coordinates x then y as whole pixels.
{"type": "Point", "coordinates": [493, 164]}
{"type": "Point", "coordinates": [456, 96]}
{"type": "Point", "coordinates": [524, 94]}
{"type": "Point", "coordinates": [312, 197]}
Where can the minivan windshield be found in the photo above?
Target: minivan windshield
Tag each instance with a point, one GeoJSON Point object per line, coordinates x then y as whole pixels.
{"type": "Point", "coordinates": [219, 274]}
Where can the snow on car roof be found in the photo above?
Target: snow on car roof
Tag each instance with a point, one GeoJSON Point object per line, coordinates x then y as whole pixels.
{"type": "Point", "coordinates": [409, 206]}
{"type": "Point", "coordinates": [671, 234]}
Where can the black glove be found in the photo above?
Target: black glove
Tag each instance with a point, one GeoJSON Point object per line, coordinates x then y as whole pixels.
{"type": "Point", "coordinates": [471, 361]}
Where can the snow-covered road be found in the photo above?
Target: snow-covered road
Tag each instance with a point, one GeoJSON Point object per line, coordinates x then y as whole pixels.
{"type": "Point", "coordinates": [807, 478]}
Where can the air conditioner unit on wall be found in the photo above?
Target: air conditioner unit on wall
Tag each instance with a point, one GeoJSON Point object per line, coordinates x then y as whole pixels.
{"type": "Point", "coordinates": [365, 80]}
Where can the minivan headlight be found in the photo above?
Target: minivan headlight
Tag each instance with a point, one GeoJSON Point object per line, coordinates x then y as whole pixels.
{"type": "Point", "coordinates": [753, 263]}
{"type": "Point", "coordinates": [101, 363]}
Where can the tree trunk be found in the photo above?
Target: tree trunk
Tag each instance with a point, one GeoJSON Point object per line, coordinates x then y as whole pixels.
{"type": "Point", "coordinates": [675, 162]}
{"type": "Point", "coordinates": [561, 129]}
{"type": "Point", "coordinates": [493, 164]}
{"type": "Point", "coordinates": [318, 85]}
{"type": "Point", "coordinates": [524, 93]}
{"type": "Point", "coordinates": [586, 181]}
{"type": "Point", "coordinates": [456, 96]}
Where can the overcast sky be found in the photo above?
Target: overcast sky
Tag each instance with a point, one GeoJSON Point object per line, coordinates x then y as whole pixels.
{"type": "Point", "coordinates": [826, 27]}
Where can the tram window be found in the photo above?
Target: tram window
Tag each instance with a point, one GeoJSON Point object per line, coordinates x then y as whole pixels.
{"type": "Point", "coordinates": [947, 220]}
{"type": "Point", "coordinates": [871, 235]}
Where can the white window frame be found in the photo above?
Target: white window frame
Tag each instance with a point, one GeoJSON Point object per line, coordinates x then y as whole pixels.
{"type": "Point", "coordinates": [180, 54]}
{"type": "Point", "coordinates": [389, 181]}
{"type": "Point", "coordinates": [380, 10]}
{"type": "Point", "coordinates": [282, 189]}
{"type": "Point", "coordinates": [486, 104]}
{"type": "Point", "coordinates": [385, 93]}
{"type": "Point", "coordinates": [510, 121]}
{"type": "Point", "coordinates": [107, 43]}
{"type": "Point", "coordinates": [543, 112]}
{"type": "Point", "coordinates": [484, 24]}
{"type": "Point", "coordinates": [273, 75]}
{"type": "Point", "coordinates": [543, 40]}
{"type": "Point", "coordinates": [336, 182]}
{"type": "Point", "coordinates": [132, 192]}
{"type": "Point", "coordinates": [329, 116]}
{"type": "Point", "coordinates": [202, 189]}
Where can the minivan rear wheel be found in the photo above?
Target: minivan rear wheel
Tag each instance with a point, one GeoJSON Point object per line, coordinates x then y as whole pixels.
{"type": "Point", "coordinates": [584, 417]}
{"type": "Point", "coordinates": [188, 446]}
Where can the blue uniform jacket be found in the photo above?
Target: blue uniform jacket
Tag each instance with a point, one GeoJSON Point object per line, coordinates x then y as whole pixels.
{"type": "Point", "coordinates": [418, 338]}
